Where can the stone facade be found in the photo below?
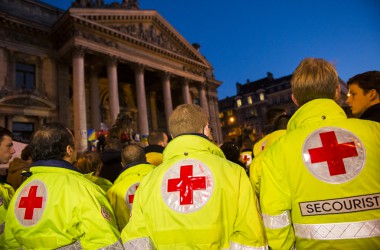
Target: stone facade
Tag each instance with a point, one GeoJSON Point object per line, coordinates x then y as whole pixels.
{"type": "Point", "coordinates": [87, 65]}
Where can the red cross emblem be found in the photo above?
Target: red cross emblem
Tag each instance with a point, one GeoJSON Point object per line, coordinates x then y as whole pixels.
{"type": "Point", "coordinates": [339, 149]}
{"type": "Point", "coordinates": [186, 184]}
{"type": "Point", "coordinates": [31, 202]}
{"type": "Point", "coordinates": [333, 153]}
{"type": "Point", "coordinates": [132, 195]}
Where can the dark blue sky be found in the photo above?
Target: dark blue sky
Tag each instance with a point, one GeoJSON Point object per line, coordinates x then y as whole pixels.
{"type": "Point", "coordinates": [245, 39]}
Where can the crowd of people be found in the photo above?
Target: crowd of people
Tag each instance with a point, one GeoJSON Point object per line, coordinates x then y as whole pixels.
{"type": "Point", "coordinates": [310, 183]}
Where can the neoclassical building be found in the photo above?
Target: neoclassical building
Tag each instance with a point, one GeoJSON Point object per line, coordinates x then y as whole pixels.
{"type": "Point", "coordinates": [89, 64]}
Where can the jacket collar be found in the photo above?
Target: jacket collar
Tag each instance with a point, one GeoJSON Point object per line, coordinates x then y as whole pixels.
{"type": "Point", "coordinates": [132, 165]}
{"type": "Point", "coordinates": [54, 163]}
{"type": "Point", "coordinates": [186, 144]}
{"type": "Point", "coordinates": [316, 111]}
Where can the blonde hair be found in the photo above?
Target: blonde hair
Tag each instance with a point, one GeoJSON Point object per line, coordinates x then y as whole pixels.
{"type": "Point", "coordinates": [89, 162]}
{"type": "Point", "coordinates": [187, 118]}
{"type": "Point", "coordinates": [314, 78]}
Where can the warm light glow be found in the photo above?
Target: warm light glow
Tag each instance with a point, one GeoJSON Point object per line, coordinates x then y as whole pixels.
{"type": "Point", "coordinates": [232, 119]}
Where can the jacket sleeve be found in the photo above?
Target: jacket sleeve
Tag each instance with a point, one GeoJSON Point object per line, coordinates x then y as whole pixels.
{"type": "Point", "coordinates": [135, 234]}
{"type": "Point", "coordinates": [248, 227]}
{"type": "Point", "coordinates": [255, 173]}
{"type": "Point", "coordinates": [116, 197]}
{"type": "Point", "coordinates": [276, 205]}
{"type": "Point", "coordinates": [98, 223]}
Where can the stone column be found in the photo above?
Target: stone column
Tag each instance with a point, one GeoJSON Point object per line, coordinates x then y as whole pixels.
{"type": "Point", "coordinates": [153, 110]}
{"type": "Point", "coordinates": [113, 98]}
{"type": "Point", "coordinates": [202, 97]}
{"type": "Point", "coordinates": [186, 91]}
{"type": "Point", "coordinates": [141, 101]}
{"type": "Point", "coordinates": [10, 122]}
{"type": "Point", "coordinates": [2, 120]}
{"type": "Point", "coordinates": [64, 94]}
{"type": "Point", "coordinates": [218, 128]}
{"type": "Point", "coordinates": [79, 99]}
{"type": "Point", "coordinates": [167, 96]}
{"type": "Point", "coordinates": [94, 97]}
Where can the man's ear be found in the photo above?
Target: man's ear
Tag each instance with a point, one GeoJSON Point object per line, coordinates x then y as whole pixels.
{"type": "Point", "coordinates": [295, 100]}
{"type": "Point", "coordinates": [374, 96]}
{"type": "Point", "coordinates": [69, 150]}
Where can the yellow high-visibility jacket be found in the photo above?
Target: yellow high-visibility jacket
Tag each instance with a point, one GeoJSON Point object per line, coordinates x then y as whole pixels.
{"type": "Point", "coordinates": [101, 182]}
{"type": "Point", "coordinates": [196, 199]}
{"type": "Point", "coordinates": [320, 185]}
{"type": "Point", "coordinates": [121, 194]}
{"type": "Point", "coordinates": [6, 194]}
{"type": "Point", "coordinates": [254, 168]}
{"type": "Point", "coordinates": [58, 207]}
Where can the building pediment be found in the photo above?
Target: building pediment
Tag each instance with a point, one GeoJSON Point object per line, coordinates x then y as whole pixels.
{"type": "Point", "coordinates": [26, 100]}
{"type": "Point", "coordinates": [142, 30]}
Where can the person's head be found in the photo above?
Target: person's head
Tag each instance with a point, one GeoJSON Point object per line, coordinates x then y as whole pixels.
{"type": "Point", "coordinates": [132, 153]}
{"type": "Point", "coordinates": [158, 137]}
{"type": "Point", "coordinates": [231, 151]}
{"type": "Point", "coordinates": [189, 118]}
{"type": "Point", "coordinates": [281, 122]}
{"type": "Point", "coordinates": [6, 145]}
{"type": "Point", "coordinates": [364, 91]}
{"type": "Point", "coordinates": [89, 162]}
{"type": "Point", "coordinates": [25, 153]}
{"type": "Point", "coordinates": [314, 78]}
{"type": "Point", "coordinates": [53, 141]}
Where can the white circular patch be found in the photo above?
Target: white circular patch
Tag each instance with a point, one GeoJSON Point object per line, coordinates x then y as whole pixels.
{"type": "Point", "coordinates": [130, 194]}
{"type": "Point", "coordinates": [30, 203]}
{"type": "Point", "coordinates": [187, 186]}
{"type": "Point", "coordinates": [246, 158]}
{"type": "Point", "coordinates": [333, 155]}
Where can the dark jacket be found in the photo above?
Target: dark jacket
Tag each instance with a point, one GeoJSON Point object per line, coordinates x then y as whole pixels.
{"type": "Point", "coordinates": [16, 167]}
{"type": "Point", "coordinates": [111, 164]}
{"type": "Point", "coordinates": [372, 113]}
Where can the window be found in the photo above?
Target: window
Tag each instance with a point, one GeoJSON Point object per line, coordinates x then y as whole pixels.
{"type": "Point", "coordinates": [230, 112]}
{"type": "Point", "coordinates": [221, 115]}
{"type": "Point", "coordinates": [262, 96]}
{"type": "Point", "coordinates": [25, 76]}
{"type": "Point", "coordinates": [249, 100]}
{"type": "Point", "coordinates": [238, 102]}
{"type": "Point", "coordinates": [22, 131]}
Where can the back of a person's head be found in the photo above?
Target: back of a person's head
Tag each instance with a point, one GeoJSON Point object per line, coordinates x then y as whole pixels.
{"type": "Point", "coordinates": [366, 81]}
{"type": "Point", "coordinates": [281, 122]}
{"type": "Point", "coordinates": [89, 162]}
{"type": "Point", "coordinates": [231, 151]}
{"type": "Point", "coordinates": [5, 132]}
{"type": "Point", "coordinates": [25, 153]}
{"type": "Point", "coordinates": [314, 78]}
{"type": "Point", "coordinates": [113, 144]}
{"type": "Point", "coordinates": [187, 118]}
{"type": "Point", "coordinates": [133, 153]}
{"type": "Point", "coordinates": [50, 142]}
{"type": "Point", "coordinates": [155, 137]}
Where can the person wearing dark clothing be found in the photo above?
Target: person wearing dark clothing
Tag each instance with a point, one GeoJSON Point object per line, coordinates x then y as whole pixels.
{"type": "Point", "coordinates": [364, 95]}
{"type": "Point", "coordinates": [111, 158]}
{"type": "Point", "coordinates": [232, 153]}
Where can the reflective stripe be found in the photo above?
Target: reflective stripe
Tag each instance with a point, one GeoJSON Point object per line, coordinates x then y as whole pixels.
{"type": "Point", "coordinates": [77, 246]}
{"type": "Point", "coordinates": [277, 221]}
{"type": "Point", "coordinates": [237, 246]}
{"type": "Point", "coordinates": [331, 231]}
{"type": "Point", "coordinates": [138, 244]}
